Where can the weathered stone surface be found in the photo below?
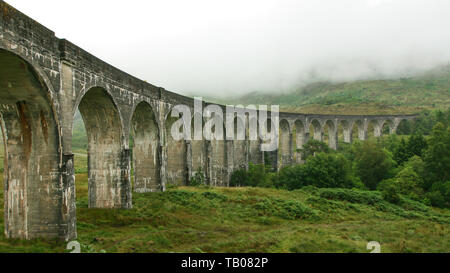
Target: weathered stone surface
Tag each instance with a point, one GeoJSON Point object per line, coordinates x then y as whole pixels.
{"type": "Point", "coordinates": [44, 79]}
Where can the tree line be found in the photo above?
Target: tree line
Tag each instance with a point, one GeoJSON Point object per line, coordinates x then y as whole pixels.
{"type": "Point", "coordinates": [416, 165]}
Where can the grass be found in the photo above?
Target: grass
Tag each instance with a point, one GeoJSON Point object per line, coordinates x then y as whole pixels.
{"type": "Point", "coordinates": [205, 219]}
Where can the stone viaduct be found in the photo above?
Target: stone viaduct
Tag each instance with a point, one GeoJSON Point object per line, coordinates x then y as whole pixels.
{"type": "Point", "coordinates": [44, 80]}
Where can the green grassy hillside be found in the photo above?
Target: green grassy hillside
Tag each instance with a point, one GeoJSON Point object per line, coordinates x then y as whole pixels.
{"type": "Point", "coordinates": [250, 220]}
{"type": "Point", "coordinates": [430, 90]}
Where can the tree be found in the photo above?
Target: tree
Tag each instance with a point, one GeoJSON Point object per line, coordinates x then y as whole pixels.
{"type": "Point", "coordinates": [291, 177]}
{"type": "Point", "coordinates": [401, 153]}
{"type": "Point", "coordinates": [437, 156]}
{"type": "Point", "coordinates": [373, 164]}
{"type": "Point", "coordinates": [314, 147]}
{"type": "Point", "coordinates": [416, 145]}
{"type": "Point", "coordinates": [418, 166]}
{"type": "Point", "coordinates": [328, 171]}
{"type": "Point", "coordinates": [408, 183]}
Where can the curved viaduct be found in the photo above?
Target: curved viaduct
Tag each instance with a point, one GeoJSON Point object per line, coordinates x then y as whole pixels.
{"type": "Point", "coordinates": [44, 80]}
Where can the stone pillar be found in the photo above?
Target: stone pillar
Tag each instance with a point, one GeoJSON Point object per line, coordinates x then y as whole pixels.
{"type": "Point", "coordinates": [189, 159]}
{"type": "Point", "coordinates": [69, 197]}
{"type": "Point", "coordinates": [378, 128]}
{"type": "Point", "coordinates": [362, 131]}
{"type": "Point", "coordinates": [124, 188]}
{"type": "Point", "coordinates": [333, 139]}
{"type": "Point", "coordinates": [348, 134]}
{"type": "Point", "coordinates": [318, 134]}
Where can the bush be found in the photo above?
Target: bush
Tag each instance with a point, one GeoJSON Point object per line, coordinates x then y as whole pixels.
{"type": "Point", "coordinates": [291, 177]}
{"type": "Point", "coordinates": [256, 176]}
{"type": "Point", "coordinates": [322, 171]}
{"type": "Point", "coordinates": [390, 192]}
{"type": "Point", "coordinates": [352, 196]}
{"type": "Point", "coordinates": [198, 179]}
{"type": "Point", "coordinates": [289, 210]}
{"type": "Point", "coordinates": [373, 164]}
{"type": "Point", "coordinates": [239, 178]}
{"type": "Point", "coordinates": [436, 199]}
{"type": "Point", "coordinates": [314, 147]}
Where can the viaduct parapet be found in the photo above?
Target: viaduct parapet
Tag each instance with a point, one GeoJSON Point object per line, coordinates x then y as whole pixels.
{"type": "Point", "coordinates": [44, 80]}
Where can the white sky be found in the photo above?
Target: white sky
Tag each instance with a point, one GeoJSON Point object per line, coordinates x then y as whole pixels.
{"type": "Point", "coordinates": [235, 46]}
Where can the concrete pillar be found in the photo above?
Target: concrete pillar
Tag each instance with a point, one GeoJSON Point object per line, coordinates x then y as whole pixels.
{"type": "Point", "coordinates": [348, 133]}
{"type": "Point", "coordinates": [362, 130]}
{"type": "Point", "coordinates": [378, 128]}
{"type": "Point", "coordinates": [318, 133]}
{"type": "Point", "coordinates": [333, 139]}
{"type": "Point", "coordinates": [146, 149]}
{"type": "Point", "coordinates": [39, 189]}
{"type": "Point", "coordinates": [124, 187]}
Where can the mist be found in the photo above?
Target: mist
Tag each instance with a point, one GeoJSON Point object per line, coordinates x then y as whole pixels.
{"type": "Point", "coordinates": [227, 48]}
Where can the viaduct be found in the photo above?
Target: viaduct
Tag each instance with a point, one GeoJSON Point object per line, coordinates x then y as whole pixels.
{"type": "Point", "coordinates": [44, 80]}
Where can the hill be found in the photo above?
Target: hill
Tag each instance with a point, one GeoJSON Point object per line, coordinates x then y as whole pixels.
{"type": "Point", "coordinates": [205, 219]}
{"type": "Point", "coordinates": [430, 90]}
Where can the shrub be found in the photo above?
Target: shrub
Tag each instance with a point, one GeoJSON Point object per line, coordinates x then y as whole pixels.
{"type": "Point", "coordinates": [198, 179]}
{"type": "Point", "coordinates": [352, 196]}
{"type": "Point", "coordinates": [314, 147]}
{"type": "Point", "coordinates": [373, 164]}
{"type": "Point", "coordinates": [390, 192]}
{"type": "Point", "coordinates": [291, 178]}
{"type": "Point", "coordinates": [436, 199]}
{"type": "Point", "coordinates": [328, 171]}
{"type": "Point", "coordinates": [239, 178]}
{"type": "Point", "coordinates": [289, 210]}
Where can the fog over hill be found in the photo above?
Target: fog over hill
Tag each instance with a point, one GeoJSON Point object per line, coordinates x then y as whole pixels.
{"type": "Point", "coordinates": [220, 48]}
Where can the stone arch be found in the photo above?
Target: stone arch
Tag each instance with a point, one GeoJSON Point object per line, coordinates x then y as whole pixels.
{"type": "Point", "coordinates": [387, 126]}
{"type": "Point", "coordinates": [317, 130]}
{"type": "Point", "coordinates": [285, 145]}
{"type": "Point", "coordinates": [108, 162]}
{"type": "Point", "coordinates": [346, 127]}
{"type": "Point", "coordinates": [176, 154]}
{"type": "Point", "coordinates": [331, 130]}
{"type": "Point", "coordinates": [373, 128]}
{"type": "Point", "coordinates": [361, 127]}
{"type": "Point", "coordinates": [301, 138]}
{"type": "Point", "coordinates": [402, 126]}
{"type": "Point", "coordinates": [146, 153]}
{"type": "Point", "coordinates": [37, 204]}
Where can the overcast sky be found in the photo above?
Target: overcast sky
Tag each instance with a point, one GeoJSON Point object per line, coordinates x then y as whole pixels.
{"type": "Point", "coordinates": [236, 46]}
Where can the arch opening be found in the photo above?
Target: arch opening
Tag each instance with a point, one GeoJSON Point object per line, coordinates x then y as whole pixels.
{"type": "Point", "coordinates": [388, 126]}
{"type": "Point", "coordinates": [37, 204]}
{"type": "Point", "coordinates": [331, 134]}
{"type": "Point", "coordinates": [285, 146]}
{"type": "Point", "coordinates": [300, 139]}
{"type": "Point", "coordinates": [145, 149]}
{"type": "Point", "coordinates": [373, 129]}
{"type": "Point", "coordinates": [108, 184]}
{"type": "Point", "coordinates": [315, 129]}
{"type": "Point", "coordinates": [360, 130]}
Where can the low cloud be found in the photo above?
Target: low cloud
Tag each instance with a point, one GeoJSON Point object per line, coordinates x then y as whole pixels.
{"type": "Point", "coordinates": [221, 48]}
